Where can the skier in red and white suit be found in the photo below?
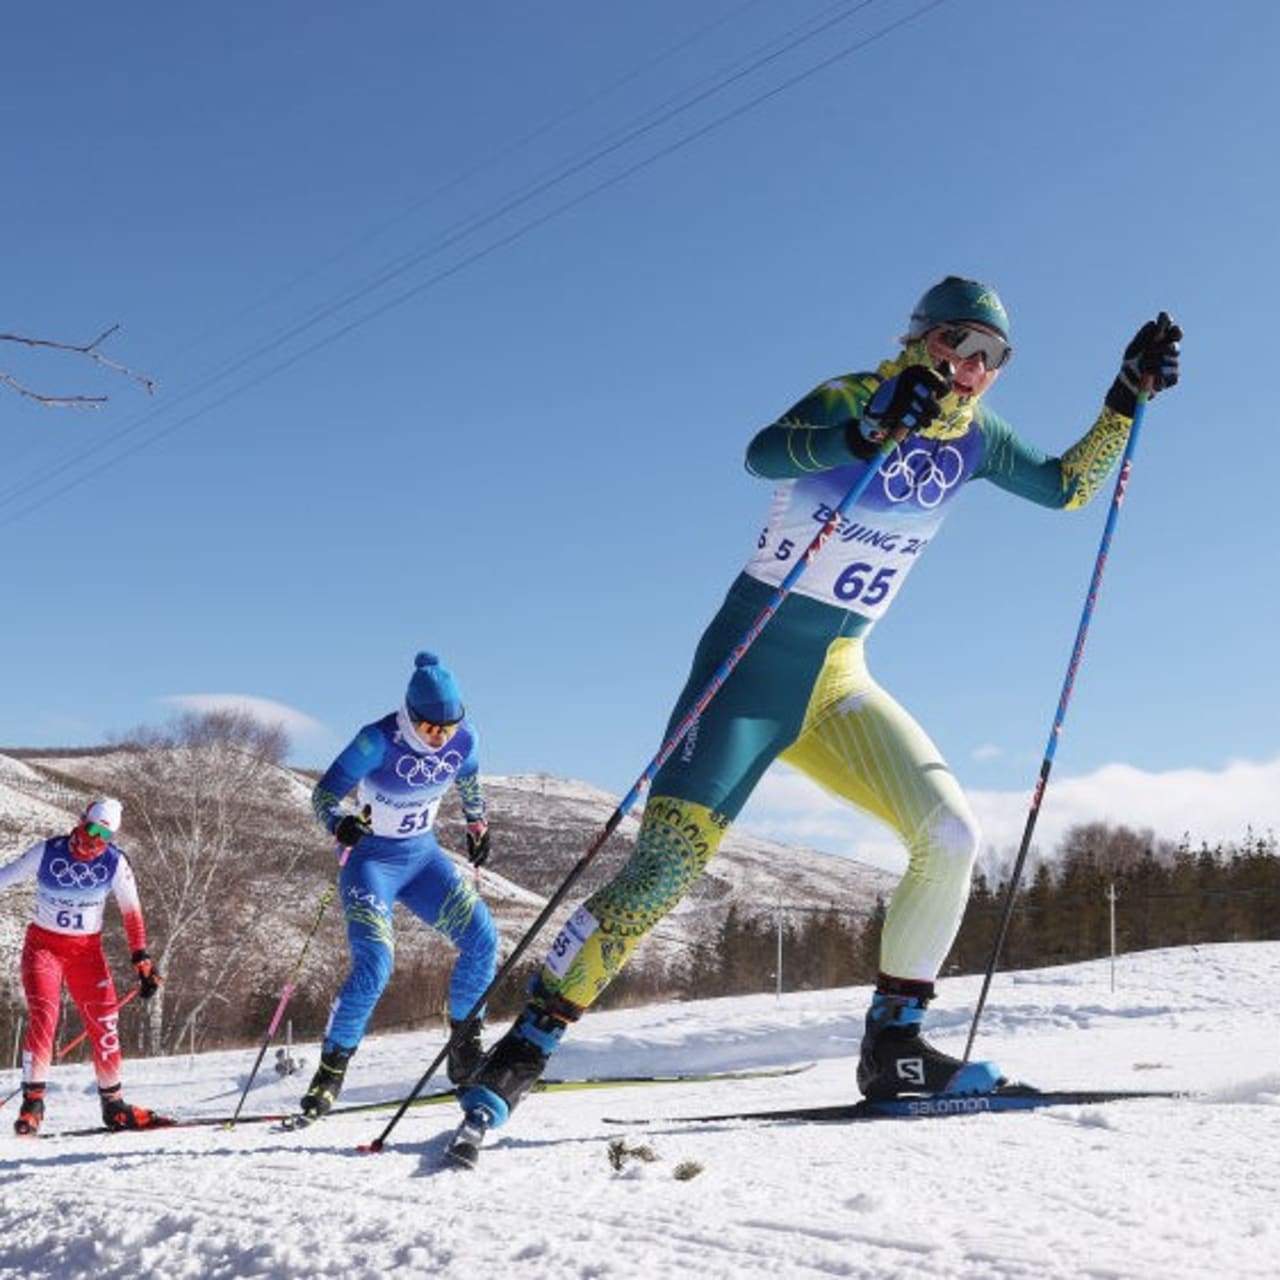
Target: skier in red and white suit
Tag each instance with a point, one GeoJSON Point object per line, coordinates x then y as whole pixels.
{"type": "Point", "coordinates": [74, 874]}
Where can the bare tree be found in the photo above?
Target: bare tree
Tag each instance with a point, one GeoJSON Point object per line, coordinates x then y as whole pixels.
{"type": "Point", "coordinates": [90, 351]}
{"type": "Point", "coordinates": [1103, 851]}
{"type": "Point", "coordinates": [203, 800]}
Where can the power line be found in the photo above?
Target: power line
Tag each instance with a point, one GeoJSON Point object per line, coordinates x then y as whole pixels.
{"type": "Point", "coordinates": [398, 267]}
{"type": "Point", "coordinates": [9, 497]}
{"type": "Point", "coordinates": [495, 158]}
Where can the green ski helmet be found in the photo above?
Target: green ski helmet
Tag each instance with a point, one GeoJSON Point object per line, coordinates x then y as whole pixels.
{"type": "Point", "coordinates": [956, 298]}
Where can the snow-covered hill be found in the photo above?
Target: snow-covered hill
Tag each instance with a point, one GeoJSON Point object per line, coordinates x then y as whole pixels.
{"type": "Point", "coordinates": [1154, 1190]}
{"type": "Point", "coordinates": [541, 827]}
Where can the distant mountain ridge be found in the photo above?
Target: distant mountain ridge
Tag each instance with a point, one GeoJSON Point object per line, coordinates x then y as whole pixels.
{"type": "Point", "coordinates": [541, 827]}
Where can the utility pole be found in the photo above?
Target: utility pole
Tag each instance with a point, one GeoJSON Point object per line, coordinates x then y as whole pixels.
{"type": "Point", "coordinates": [1111, 902]}
{"type": "Point", "coordinates": [777, 963]}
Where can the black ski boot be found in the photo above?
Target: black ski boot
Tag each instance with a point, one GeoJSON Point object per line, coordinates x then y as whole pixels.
{"type": "Point", "coordinates": [511, 1068]}
{"type": "Point", "coordinates": [31, 1113]}
{"type": "Point", "coordinates": [464, 1147]}
{"type": "Point", "coordinates": [326, 1084]}
{"type": "Point", "coordinates": [896, 1059]}
{"type": "Point", "coordinates": [466, 1053]}
{"type": "Point", "coordinates": [119, 1114]}
{"type": "Point", "coordinates": [515, 1064]}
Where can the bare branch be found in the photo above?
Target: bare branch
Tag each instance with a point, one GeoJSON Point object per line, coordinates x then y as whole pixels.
{"type": "Point", "coordinates": [58, 402]}
{"type": "Point", "coordinates": [90, 351]}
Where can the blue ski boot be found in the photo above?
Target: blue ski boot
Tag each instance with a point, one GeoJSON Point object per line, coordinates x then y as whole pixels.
{"type": "Point", "coordinates": [896, 1059]}
{"type": "Point", "coordinates": [516, 1063]}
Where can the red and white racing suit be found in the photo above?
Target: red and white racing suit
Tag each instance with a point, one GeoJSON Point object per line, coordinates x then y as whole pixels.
{"type": "Point", "coordinates": [64, 944]}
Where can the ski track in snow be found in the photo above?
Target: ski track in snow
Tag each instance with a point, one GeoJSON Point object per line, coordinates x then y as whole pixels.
{"type": "Point", "coordinates": [1156, 1188]}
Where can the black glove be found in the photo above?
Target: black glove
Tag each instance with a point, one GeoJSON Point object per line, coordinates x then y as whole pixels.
{"type": "Point", "coordinates": [352, 828]}
{"type": "Point", "coordinates": [478, 843]}
{"type": "Point", "coordinates": [1150, 361]}
{"type": "Point", "coordinates": [907, 402]}
{"type": "Point", "coordinates": [148, 976]}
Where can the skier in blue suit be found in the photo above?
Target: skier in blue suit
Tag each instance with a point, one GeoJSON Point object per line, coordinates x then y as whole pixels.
{"type": "Point", "coordinates": [399, 769]}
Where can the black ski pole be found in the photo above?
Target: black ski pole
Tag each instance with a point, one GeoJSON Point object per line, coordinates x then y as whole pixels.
{"type": "Point", "coordinates": [1060, 715]}
{"type": "Point", "coordinates": [674, 739]}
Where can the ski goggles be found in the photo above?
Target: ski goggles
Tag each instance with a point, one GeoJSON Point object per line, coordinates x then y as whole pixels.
{"type": "Point", "coordinates": [96, 831]}
{"type": "Point", "coordinates": [437, 729]}
{"type": "Point", "coordinates": [966, 342]}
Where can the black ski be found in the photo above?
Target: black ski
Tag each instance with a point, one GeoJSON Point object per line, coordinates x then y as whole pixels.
{"type": "Point", "coordinates": [1010, 1098]}
{"type": "Point", "coordinates": [290, 1122]}
{"type": "Point", "coordinates": [293, 1123]}
{"type": "Point", "coordinates": [101, 1131]}
{"type": "Point", "coordinates": [675, 1077]}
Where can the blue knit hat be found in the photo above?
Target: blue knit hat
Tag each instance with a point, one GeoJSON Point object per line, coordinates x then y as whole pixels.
{"type": "Point", "coordinates": [433, 692]}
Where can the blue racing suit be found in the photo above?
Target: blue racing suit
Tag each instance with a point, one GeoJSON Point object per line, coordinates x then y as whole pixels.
{"type": "Point", "coordinates": [399, 782]}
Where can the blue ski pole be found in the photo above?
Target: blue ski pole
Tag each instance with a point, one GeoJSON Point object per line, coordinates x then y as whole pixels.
{"type": "Point", "coordinates": [674, 738]}
{"type": "Point", "coordinates": [1073, 668]}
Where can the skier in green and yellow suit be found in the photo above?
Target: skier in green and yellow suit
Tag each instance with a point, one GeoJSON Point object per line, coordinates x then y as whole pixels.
{"type": "Point", "coordinates": [803, 693]}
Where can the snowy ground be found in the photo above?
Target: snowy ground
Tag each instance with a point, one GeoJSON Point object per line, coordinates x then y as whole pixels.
{"type": "Point", "coordinates": [1164, 1189]}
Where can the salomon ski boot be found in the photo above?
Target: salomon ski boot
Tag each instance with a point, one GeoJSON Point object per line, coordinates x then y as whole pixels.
{"type": "Point", "coordinates": [31, 1112]}
{"type": "Point", "coordinates": [896, 1059]}
{"type": "Point", "coordinates": [326, 1084]}
{"type": "Point", "coordinates": [466, 1053]}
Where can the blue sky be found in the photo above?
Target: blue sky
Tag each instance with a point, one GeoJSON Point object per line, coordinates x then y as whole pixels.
{"type": "Point", "coordinates": [462, 317]}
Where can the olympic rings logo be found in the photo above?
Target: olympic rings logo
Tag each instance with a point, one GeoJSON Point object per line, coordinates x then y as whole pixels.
{"type": "Point", "coordinates": [426, 771]}
{"type": "Point", "coordinates": [77, 875]}
{"type": "Point", "coordinates": [922, 475]}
